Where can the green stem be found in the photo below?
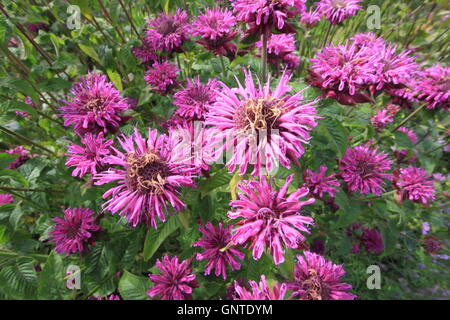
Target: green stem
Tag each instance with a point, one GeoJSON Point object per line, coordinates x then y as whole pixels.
{"type": "Point", "coordinates": [224, 71]}
{"type": "Point", "coordinates": [264, 55]}
{"type": "Point", "coordinates": [129, 18]}
{"type": "Point", "coordinates": [409, 117]}
{"type": "Point", "coordinates": [20, 137]}
{"type": "Point", "coordinates": [28, 189]}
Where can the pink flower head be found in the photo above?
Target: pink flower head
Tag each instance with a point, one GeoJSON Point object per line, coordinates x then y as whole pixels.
{"type": "Point", "coordinates": [162, 77]}
{"type": "Point", "coordinates": [343, 71]}
{"type": "Point", "coordinates": [148, 179]}
{"type": "Point", "coordinates": [395, 70]}
{"type": "Point", "coordinates": [368, 39]}
{"type": "Point", "coordinates": [214, 239]}
{"type": "Point", "coordinates": [6, 198]}
{"type": "Point", "coordinates": [264, 127]}
{"type": "Point", "coordinates": [291, 61]}
{"type": "Point", "coordinates": [410, 133]}
{"type": "Point", "coordinates": [371, 239]}
{"type": "Point", "coordinates": [381, 119]}
{"type": "Point", "coordinates": [337, 11]}
{"type": "Point", "coordinates": [278, 46]}
{"type": "Point", "coordinates": [310, 17]}
{"type": "Point", "coordinates": [95, 106]}
{"type": "Point", "coordinates": [364, 169]}
{"type": "Point", "coordinates": [262, 15]}
{"type": "Point", "coordinates": [167, 32]}
{"type": "Point", "coordinates": [318, 279]}
{"type": "Point", "coordinates": [269, 218]}
{"type": "Point", "coordinates": [415, 184]}
{"type": "Point", "coordinates": [216, 27]}
{"type": "Point", "coordinates": [259, 291]}
{"type": "Point", "coordinates": [319, 183]}
{"type": "Point", "coordinates": [73, 233]}
{"type": "Point", "coordinates": [176, 280]}
{"type": "Point", "coordinates": [89, 158]}
{"type": "Point", "coordinates": [146, 53]}
{"type": "Point", "coordinates": [23, 156]}
{"type": "Point", "coordinates": [434, 87]}
{"type": "Point", "coordinates": [195, 99]}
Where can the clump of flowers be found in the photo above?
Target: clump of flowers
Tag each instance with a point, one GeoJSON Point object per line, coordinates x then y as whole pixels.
{"type": "Point", "coordinates": [434, 87]}
{"type": "Point", "coordinates": [214, 239]}
{"type": "Point", "coordinates": [365, 238]}
{"type": "Point", "coordinates": [89, 158]}
{"type": "Point", "coordinates": [278, 47]}
{"type": "Point", "coordinates": [176, 280]}
{"type": "Point", "coordinates": [95, 106]}
{"type": "Point", "coordinates": [415, 185]}
{"type": "Point", "coordinates": [195, 99]}
{"type": "Point", "coordinates": [23, 156]}
{"type": "Point", "coordinates": [381, 119]}
{"type": "Point", "coordinates": [216, 27]}
{"type": "Point", "coordinates": [146, 53]}
{"type": "Point", "coordinates": [269, 218]}
{"type": "Point", "coordinates": [167, 32]}
{"type": "Point", "coordinates": [318, 279]}
{"type": "Point", "coordinates": [162, 77]}
{"type": "Point", "coordinates": [410, 133]}
{"type": "Point", "coordinates": [320, 184]}
{"type": "Point", "coordinates": [259, 291]}
{"type": "Point", "coordinates": [337, 11]}
{"type": "Point", "coordinates": [266, 126]}
{"type": "Point", "coordinates": [364, 169]}
{"type": "Point", "coordinates": [6, 198]}
{"type": "Point", "coordinates": [263, 15]}
{"type": "Point", "coordinates": [75, 232]}
{"type": "Point", "coordinates": [148, 180]}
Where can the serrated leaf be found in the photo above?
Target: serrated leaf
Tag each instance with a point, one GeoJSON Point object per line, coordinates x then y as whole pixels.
{"type": "Point", "coordinates": [132, 287]}
{"type": "Point", "coordinates": [155, 238]}
{"type": "Point", "coordinates": [337, 133]}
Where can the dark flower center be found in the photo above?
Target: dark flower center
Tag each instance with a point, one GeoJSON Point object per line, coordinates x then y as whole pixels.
{"type": "Point", "coordinates": [314, 287]}
{"type": "Point", "coordinates": [95, 104]}
{"type": "Point", "coordinates": [339, 4]}
{"type": "Point", "coordinates": [146, 172]}
{"type": "Point", "coordinates": [365, 169]}
{"type": "Point", "coordinates": [259, 114]}
{"type": "Point", "coordinates": [168, 26]}
{"type": "Point", "coordinates": [72, 230]}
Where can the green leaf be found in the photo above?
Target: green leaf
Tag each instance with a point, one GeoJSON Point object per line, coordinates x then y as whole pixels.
{"type": "Point", "coordinates": [90, 52]}
{"type": "Point", "coordinates": [155, 237]}
{"type": "Point", "coordinates": [349, 210]}
{"type": "Point", "coordinates": [19, 281]}
{"type": "Point", "coordinates": [132, 287]}
{"type": "Point", "coordinates": [21, 86]}
{"type": "Point", "coordinates": [51, 284]}
{"type": "Point", "coordinates": [115, 78]}
{"type": "Point", "coordinates": [219, 179]}
{"type": "Point", "coordinates": [337, 133]}
{"type": "Point", "coordinates": [14, 175]}
{"type": "Point", "coordinates": [6, 159]}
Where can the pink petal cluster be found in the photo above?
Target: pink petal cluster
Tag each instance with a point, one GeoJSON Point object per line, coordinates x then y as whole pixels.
{"type": "Point", "coordinates": [95, 106]}
{"type": "Point", "coordinates": [148, 179]}
{"type": "Point", "coordinates": [21, 159]}
{"type": "Point", "coordinates": [162, 77]}
{"type": "Point", "coordinates": [365, 238]}
{"type": "Point", "coordinates": [434, 87]}
{"type": "Point", "coordinates": [89, 157]}
{"type": "Point", "coordinates": [364, 169]}
{"type": "Point", "coordinates": [259, 291]}
{"type": "Point", "coordinates": [337, 11]}
{"type": "Point", "coordinates": [320, 184]}
{"type": "Point", "coordinates": [318, 279]}
{"type": "Point", "coordinates": [194, 100]}
{"type": "Point", "coordinates": [214, 239]}
{"type": "Point", "coordinates": [216, 27]}
{"type": "Point", "coordinates": [75, 232]}
{"type": "Point", "coordinates": [168, 32]}
{"type": "Point", "coordinates": [381, 119]}
{"type": "Point", "coordinates": [6, 198]}
{"type": "Point", "coordinates": [280, 48]}
{"type": "Point", "coordinates": [262, 127]}
{"type": "Point", "coordinates": [176, 280]}
{"type": "Point", "coordinates": [415, 185]}
{"type": "Point", "coordinates": [269, 218]}
{"type": "Point", "coordinates": [146, 53]}
{"type": "Point", "coordinates": [410, 133]}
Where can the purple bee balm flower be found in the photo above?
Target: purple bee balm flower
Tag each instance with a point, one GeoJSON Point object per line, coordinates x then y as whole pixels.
{"type": "Point", "coordinates": [319, 183]}
{"type": "Point", "coordinates": [162, 77]}
{"type": "Point", "coordinates": [269, 218]}
{"type": "Point", "coordinates": [260, 291]}
{"type": "Point", "coordinates": [148, 179]}
{"type": "Point", "coordinates": [110, 297]}
{"type": "Point", "coordinates": [146, 53]}
{"type": "Point", "coordinates": [21, 159]}
{"type": "Point", "coordinates": [425, 228]}
{"type": "Point", "coordinates": [167, 32]}
{"type": "Point", "coordinates": [368, 39]}
{"type": "Point", "coordinates": [263, 15]}
{"type": "Point", "coordinates": [371, 239]}
{"type": "Point", "coordinates": [415, 184]}
{"type": "Point", "coordinates": [434, 87]}
{"type": "Point", "coordinates": [410, 133]}
{"type": "Point", "coordinates": [216, 27]}
{"type": "Point", "coordinates": [364, 169]}
{"type": "Point", "coordinates": [318, 279]}
{"type": "Point", "coordinates": [381, 119]}
{"type": "Point", "coordinates": [278, 46]}
{"type": "Point", "coordinates": [216, 238]}
{"type": "Point", "coordinates": [318, 246]}
{"type": "Point", "coordinates": [310, 17]}
{"type": "Point", "coordinates": [264, 127]}
{"type": "Point", "coordinates": [89, 158]}
{"type": "Point", "coordinates": [95, 106]}
{"type": "Point", "coordinates": [176, 280]}
{"type": "Point", "coordinates": [337, 11]}
{"type": "Point", "coordinates": [291, 61]}
{"type": "Point", "coordinates": [395, 70]}
{"type": "Point", "coordinates": [344, 71]}
{"type": "Point", "coordinates": [75, 232]}
{"type": "Point", "coordinates": [6, 198]}
{"type": "Point", "coordinates": [195, 99]}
